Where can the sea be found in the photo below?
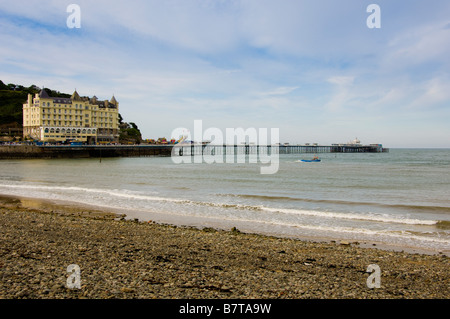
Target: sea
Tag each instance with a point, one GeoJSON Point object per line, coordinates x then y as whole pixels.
{"type": "Point", "coordinates": [400, 198]}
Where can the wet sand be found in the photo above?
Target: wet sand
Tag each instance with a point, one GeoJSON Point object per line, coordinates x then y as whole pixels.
{"type": "Point", "coordinates": [125, 258]}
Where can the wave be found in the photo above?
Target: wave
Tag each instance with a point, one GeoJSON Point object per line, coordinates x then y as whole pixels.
{"type": "Point", "coordinates": [372, 217]}
{"type": "Point", "coordinates": [436, 209]}
{"type": "Point", "coordinates": [117, 193]}
{"type": "Point", "coordinates": [364, 231]}
{"type": "Point", "coordinates": [339, 229]}
{"type": "Point", "coordinates": [300, 212]}
{"type": "Point", "coordinates": [445, 224]}
{"type": "Point", "coordinates": [255, 221]}
{"type": "Point", "coordinates": [315, 213]}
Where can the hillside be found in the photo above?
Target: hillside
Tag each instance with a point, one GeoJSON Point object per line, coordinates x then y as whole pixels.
{"type": "Point", "coordinates": [12, 97]}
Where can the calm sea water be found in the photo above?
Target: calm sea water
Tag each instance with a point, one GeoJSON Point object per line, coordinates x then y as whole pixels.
{"type": "Point", "coordinates": [400, 197]}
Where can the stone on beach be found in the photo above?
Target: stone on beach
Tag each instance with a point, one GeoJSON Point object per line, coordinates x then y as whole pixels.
{"type": "Point", "coordinates": [128, 259]}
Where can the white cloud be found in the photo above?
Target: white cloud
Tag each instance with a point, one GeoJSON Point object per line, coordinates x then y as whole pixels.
{"type": "Point", "coordinates": [280, 90]}
{"type": "Point", "coordinates": [422, 44]}
{"type": "Point", "coordinates": [433, 93]}
{"type": "Point", "coordinates": [249, 62]}
{"type": "Point", "coordinates": [341, 80]}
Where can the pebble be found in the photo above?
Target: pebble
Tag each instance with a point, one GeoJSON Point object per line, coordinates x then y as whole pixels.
{"type": "Point", "coordinates": [131, 259]}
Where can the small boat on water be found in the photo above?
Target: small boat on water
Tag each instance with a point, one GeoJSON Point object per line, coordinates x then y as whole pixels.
{"type": "Point", "coordinates": [315, 159]}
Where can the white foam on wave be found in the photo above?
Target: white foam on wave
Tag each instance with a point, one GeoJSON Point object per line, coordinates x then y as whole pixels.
{"type": "Point", "coordinates": [375, 218]}
{"type": "Point", "coordinates": [116, 192]}
{"type": "Point", "coordinates": [126, 194]}
{"type": "Point", "coordinates": [52, 192]}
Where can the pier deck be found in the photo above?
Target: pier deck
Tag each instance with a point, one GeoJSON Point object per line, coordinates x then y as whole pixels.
{"type": "Point", "coordinates": [183, 150]}
{"type": "Point", "coordinates": [86, 151]}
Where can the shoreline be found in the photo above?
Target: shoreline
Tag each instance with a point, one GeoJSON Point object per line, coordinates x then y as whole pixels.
{"type": "Point", "coordinates": [194, 222]}
{"type": "Point", "coordinates": [124, 258]}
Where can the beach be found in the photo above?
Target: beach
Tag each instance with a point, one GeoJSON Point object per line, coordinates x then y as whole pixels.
{"type": "Point", "coordinates": [396, 199]}
{"type": "Point", "coordinates": [125, 258]}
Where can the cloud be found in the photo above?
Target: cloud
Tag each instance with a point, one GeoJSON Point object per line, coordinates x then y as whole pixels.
{"type": "Point", "coordinates": [280, 91]}
{"type": "Point", "coordinates": [341, 80]}
{"type": "Point", "coordinates": [433, 93]}
{"type": "Point", "coordinates": [429, 43]}
{"type": "Point", "coordinates": [342, 95]}
{"type": "Point", "coordinates": [255, 62]}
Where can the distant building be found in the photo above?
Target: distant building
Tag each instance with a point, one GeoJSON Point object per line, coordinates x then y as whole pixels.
{"type": "Point", "coordinates": [74, 119]}
{"type": "Point", "coordinates": [354, 142]}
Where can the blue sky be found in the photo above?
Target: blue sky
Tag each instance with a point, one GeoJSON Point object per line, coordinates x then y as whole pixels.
{"type": "Point", "coordinates": [313, 69]}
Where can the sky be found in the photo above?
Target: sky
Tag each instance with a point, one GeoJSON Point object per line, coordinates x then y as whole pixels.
{"type": "Point", "coordinates": [312, 69]}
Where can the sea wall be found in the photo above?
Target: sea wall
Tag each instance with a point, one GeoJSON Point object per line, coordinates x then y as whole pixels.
{"type": "Point", "coordinates": [32, 151]}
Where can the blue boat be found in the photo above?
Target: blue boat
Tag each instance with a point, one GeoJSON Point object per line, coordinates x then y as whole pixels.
{"type": "Point", "coordinates": [315, 159]}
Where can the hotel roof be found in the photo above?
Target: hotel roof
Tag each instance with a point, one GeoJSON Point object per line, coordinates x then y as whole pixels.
{"type": "Point", "coordinates": [76, 97]}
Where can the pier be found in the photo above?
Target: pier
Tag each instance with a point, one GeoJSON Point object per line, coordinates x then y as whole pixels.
{"type": "Point", "coordinates": [192, 149]}
{"type": "Point", "coordinates": [99, 151]}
